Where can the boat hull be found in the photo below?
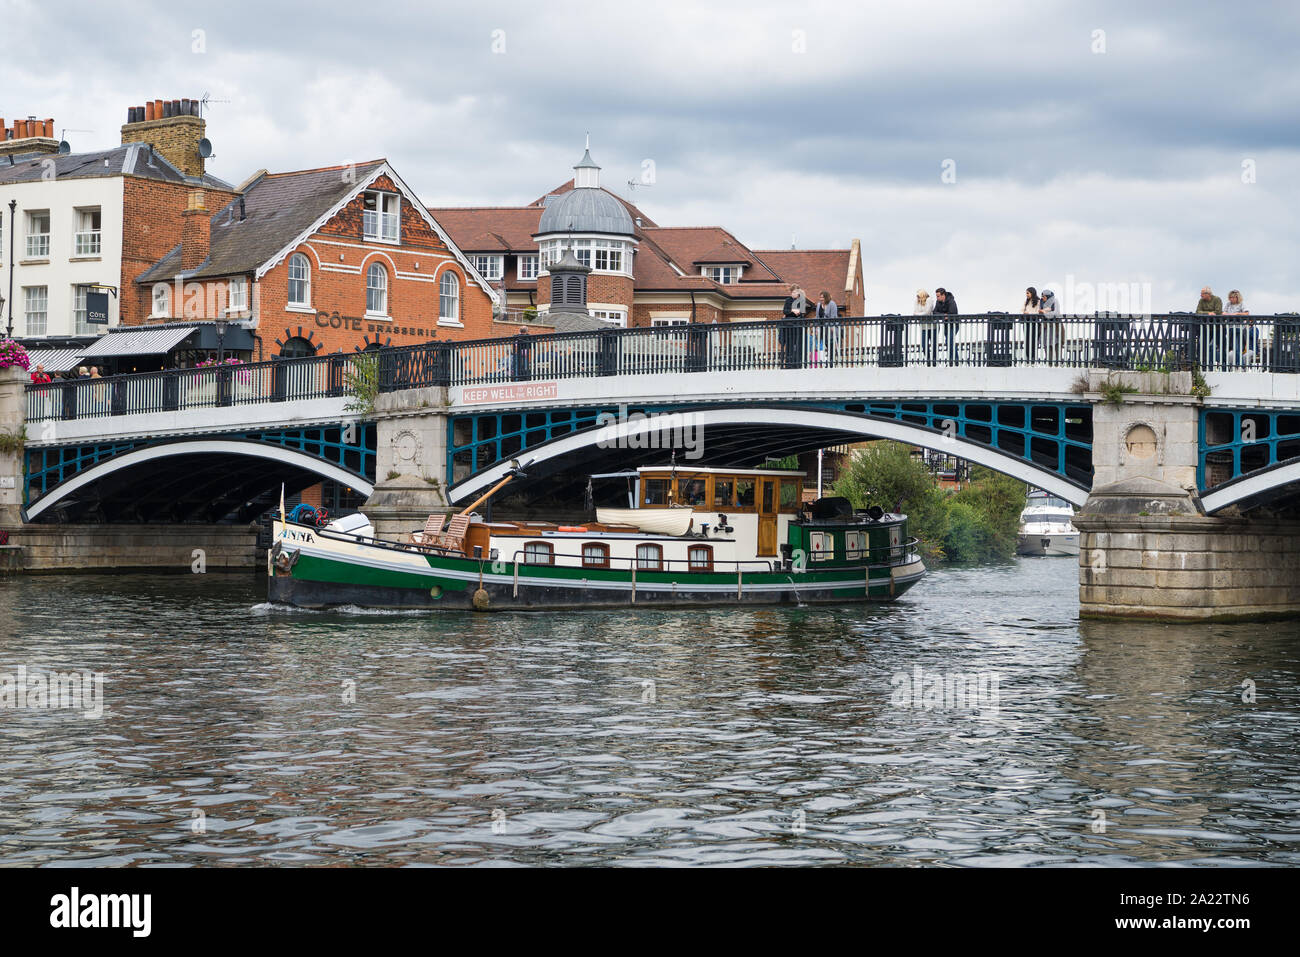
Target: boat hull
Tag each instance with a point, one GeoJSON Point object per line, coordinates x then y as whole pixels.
{"type": "Point", "coordinates": [310, 570]}
{"type": "Point", "coordinates": [1052, 545]}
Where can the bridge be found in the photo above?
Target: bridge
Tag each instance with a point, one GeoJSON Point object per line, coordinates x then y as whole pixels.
{"type": "Point", "coordinates": [1219, 399]}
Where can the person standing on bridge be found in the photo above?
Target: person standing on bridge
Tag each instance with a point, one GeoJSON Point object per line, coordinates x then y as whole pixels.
{"type": "Point", "coordinates": [929, 330]}
{"type": "Point", "coordinates": [826, 336]}
{"type": "Point", "coordinates": [1030, 312]}
{"type": "Point", "coordinates": [1050, 309]}
{"type": "Point", "coordinates": [1210, 305]}
{"type": "Point", "coordinates": [39, 377]}
{"type": "Point", "coordinates": [791, 338]}
{"type": "Point", "coordinates": [945, 303]}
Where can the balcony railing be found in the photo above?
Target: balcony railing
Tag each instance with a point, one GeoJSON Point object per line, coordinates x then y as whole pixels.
{"type": "Point", "coordinates": [1150, 343]}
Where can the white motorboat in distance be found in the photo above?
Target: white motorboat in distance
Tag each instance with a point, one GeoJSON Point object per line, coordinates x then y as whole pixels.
{"type": "Point", "coordinates": [1047, 526]}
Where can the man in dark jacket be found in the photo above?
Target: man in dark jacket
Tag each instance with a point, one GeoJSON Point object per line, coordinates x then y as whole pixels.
{"type": "Point", "coordinates": [946, 303]}
{"type": "Point", "coordinates": [791, 337]}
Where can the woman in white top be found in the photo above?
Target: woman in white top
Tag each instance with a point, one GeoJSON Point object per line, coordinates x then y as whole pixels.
{"type": "Point", "coordinates": [929, 340]}
{"type": "Point", "coordinates": [1243, 337]}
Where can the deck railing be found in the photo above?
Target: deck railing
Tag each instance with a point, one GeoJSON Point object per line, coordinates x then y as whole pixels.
{"type": "Point", "coordinates": [1145, 343]}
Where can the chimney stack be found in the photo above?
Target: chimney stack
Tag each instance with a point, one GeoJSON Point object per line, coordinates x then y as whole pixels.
{"type": "Point", "coordinates": [27, 136]}
{"type": "Point", "coordinates": [172, 127]}
{"type": "Point", "coordinates": [196, 232]}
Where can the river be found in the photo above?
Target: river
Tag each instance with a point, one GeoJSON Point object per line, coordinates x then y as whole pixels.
{"type": "Point", "coordinates": [237, 733]}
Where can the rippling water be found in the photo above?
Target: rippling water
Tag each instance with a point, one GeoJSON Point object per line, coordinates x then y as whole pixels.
{"type": "Point", "coordinates": [654, 738]}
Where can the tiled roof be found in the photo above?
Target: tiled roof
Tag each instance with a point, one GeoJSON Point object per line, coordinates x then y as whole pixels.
{"type": "Point", "coordinates": [277, 208]}
{"type": "Point", "coordinates": [693, 246]}
{"type": "Point", "coordinates": [490, 229]}
{"type": "Point", "coordinates": [813, 269]}
{"type": "Point", "coordinates": [129, 159]}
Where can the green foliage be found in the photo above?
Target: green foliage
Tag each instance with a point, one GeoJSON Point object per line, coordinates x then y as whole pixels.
{"type": "Point", "coordinates": [980, 523]}
{"type": "Point", "coordinates": [13, 443]}
{"type": "Point", "coordinates": [362, 380]}
{"type": "Point", "coordinates": [789, 462]}
{"type": "Point", "coordinates": [1113, 393]}
{"type": "Point", "coordinates": [1200, 387]}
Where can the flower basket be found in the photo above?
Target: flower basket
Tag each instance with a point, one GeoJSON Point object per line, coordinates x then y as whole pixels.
{"type": "Point", "coordinates": [12, 355]}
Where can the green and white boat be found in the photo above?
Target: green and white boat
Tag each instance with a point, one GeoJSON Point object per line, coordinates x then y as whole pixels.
{"type": "Point", "coordinates": [706, 536]}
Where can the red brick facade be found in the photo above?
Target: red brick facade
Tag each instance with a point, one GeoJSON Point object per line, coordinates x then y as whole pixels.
{"type": "Point", "coordinates": [152, 226]}
{"type": "Point", "coordinates": [339, 259]}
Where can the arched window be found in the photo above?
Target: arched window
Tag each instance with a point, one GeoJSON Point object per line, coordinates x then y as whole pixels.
{"type": "Point", "coordinates": [449, 298]}
{"type": "Point", "coordinates": [650, 558]}
{"type": "Point", "coordinates": [595, 555]}
{"type": "Point", "coordinates": [539, 553]}
{"type": "Point", "coordinates": [296, 347]}
{"type": "Point", "coordinates": [299, 280]}
{"type": "Point", "coordinates": [376, 290]}
{"type": "Point", "coordinates": [700, 558]}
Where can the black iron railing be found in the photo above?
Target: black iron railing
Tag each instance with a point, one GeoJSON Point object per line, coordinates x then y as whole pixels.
{"type": "Point", "coordinates": [1146, 343]}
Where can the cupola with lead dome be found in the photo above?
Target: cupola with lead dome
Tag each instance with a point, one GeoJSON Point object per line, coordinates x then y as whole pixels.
{"type": "Point", "coordinates": [590, 222]}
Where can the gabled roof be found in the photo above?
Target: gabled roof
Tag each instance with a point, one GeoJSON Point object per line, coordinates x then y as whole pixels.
{"type": "Point", "coordinates": [129, 159]}
{"type": "Point", "coordinates": [814, 269]}
{"type": "Point", "coordinates": [281, 210]}
{"type": "Point", "coordinates": [491, 229]}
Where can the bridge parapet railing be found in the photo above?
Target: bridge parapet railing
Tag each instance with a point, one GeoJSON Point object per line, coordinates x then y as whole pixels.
{"type": "Point", "coordinates": [1168, 342]}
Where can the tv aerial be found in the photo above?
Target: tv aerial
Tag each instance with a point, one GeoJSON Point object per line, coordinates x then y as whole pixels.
{"type": "Point", "coordinates": [64, 145]}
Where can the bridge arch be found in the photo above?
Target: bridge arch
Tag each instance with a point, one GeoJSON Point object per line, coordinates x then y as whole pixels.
{"type": "Point", "coordinates": [1254, 488]}
{"type": "Point", "coordinates": [276, 455]}
{"type": "Point", "coordinates": [847, 424]}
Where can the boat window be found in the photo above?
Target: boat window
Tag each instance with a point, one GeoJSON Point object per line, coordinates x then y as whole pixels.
{"type": "Point", "coordinates": [724, 491]}
{"type": "Point", "coordinates": [744, 493]}
{"type": "Point", "coordinates": [656, 491]}
{"type": "Point", "coordinates": [791, 495]}
{"type": "Point", "coordinates": [595, 555]}
{"type": "Point", "coordinates": [1060, 517]}
{"type": "Point", "coordinates": [700, 558]}
{"type": "Point", "coordinates": [768, 497]}
{"type": "Point", "coordinates": [822, 546]}
{"type": "Point", "coordinates": [649, 558]}
{"type": "Point", "coordinates": [539, 553]}
{"type": "Point", "coordinates": [855, 544]}
{"type": "Point", "coordinates": [692, 492]}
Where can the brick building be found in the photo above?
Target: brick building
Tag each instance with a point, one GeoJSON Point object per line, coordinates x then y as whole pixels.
{"type": "Point", "coordinates": [88, 221]}
{"type": "Point", "coordinates": [642, 274]}
{"type": "Point", "coordinates": [323, 260]}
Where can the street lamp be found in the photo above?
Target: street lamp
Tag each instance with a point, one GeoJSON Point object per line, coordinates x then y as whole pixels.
{"type": "Point", "coordinates": [221, 340]}
{"type": "Point", "coordinates": [13, 249]}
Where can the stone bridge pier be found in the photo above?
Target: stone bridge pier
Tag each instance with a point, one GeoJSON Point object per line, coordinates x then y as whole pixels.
{"type": "Point", "coordinates": [1147, 550]}
{"type": "Point", "coordinates": [410, 460]}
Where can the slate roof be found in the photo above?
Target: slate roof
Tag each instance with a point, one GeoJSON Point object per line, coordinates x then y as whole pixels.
{"type": "Point", "coordinates": [129, 159]}
{"type": "Point", "coordinates": [586, 210]}
{"type": "Point", "coordinates": [278, 207]}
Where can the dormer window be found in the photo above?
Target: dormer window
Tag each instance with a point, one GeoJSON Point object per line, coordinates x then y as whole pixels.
{"type": "Point", "coordinates": [489, 267]}
{"type": "Point", "coordinates": [527, 268]}
{"type": "Point", "coordinates": [726, 275]}
{"type": "Point", "coordinates": [380, 220]}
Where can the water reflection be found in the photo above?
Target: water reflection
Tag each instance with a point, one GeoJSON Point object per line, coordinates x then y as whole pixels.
{"type": "Point", "coordinates": [236, 732]}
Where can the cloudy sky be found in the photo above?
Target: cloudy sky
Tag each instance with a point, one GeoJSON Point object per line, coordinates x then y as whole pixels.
{"type": "Point", "coordinates": [980, 146]}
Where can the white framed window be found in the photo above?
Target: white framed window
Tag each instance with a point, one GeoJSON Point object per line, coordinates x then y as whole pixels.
{"type": "Point", "coordinates": [617, 317]}
{"type": "Point", "coordinates": [376, 290]}
{"type": "Point", "coordinates": [36, 305]}
{"type": "Point", "coordinates": [237, 295]}
{"type": "Point", "coordinates": [86, 240]}
{"type": "Point", "coordinates": [726, 275]}
{"type": "Point", "coordinates": [162, 301]}
{"type": "Point", "coordinates": [822, 546]}
{"type": "Point", "coordinates": [449, 298]}
{"type": "Point", "coordinates": [38, 234]}
{"type": "Point", "coordinates": [670, 321]}
{"type": "Point", "coordinates": [855, 544]}
{"type": "Point", "coordinates": [598, 255]}
{"type": "Point", "coordinates": [527, 268]}
{"type": "Point", "coordinates": [489, 267]}
{"type": "Point", "coordinates": [380, 218]}
{"type": "Point", "coordinates": [299, 280]}
{"type": "Point", "coordinates": [80, 326]}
